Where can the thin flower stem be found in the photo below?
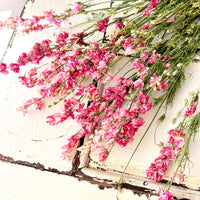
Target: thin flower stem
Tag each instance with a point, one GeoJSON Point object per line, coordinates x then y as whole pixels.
{"type": "Point", "coordinates": [136, 148]}
{"type": "Point", "coordinates": [122, 67]}
{"type": "Point", "coordinates": [181, 160]}
{"type": "Point", "coordinates": [124, 119]}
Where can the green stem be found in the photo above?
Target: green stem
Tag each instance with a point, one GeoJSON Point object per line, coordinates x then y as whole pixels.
{"type": "Point", "coordinates": [124, 119]}
{"type": "Point", "coordinates": [181, 160]}
{"type": "Point", "coordinates": [136, 148]}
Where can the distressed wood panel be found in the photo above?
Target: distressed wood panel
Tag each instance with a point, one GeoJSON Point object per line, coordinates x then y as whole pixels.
{"type": "Point", "coordinates": [15, 8]}
{"type": "Point", "coordinates": [19, 182]}
{"type": "Point", "coordinates": [4, 34]}
{"type": "Point", "coordinates": [148, 150]}
{"type": "Point", "coordinates": [30, 138]}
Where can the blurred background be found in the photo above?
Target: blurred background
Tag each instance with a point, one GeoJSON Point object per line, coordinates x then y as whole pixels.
{"type": "Point", "coordinates": [15, 6]}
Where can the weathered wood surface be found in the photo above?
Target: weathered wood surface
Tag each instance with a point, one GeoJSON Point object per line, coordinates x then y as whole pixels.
{"type": "Point", "coordinates": [30, 142]}
{"type": "Point", "coordinates": [148, 150]}
{"type": "Point", "coordinates": [30, 138]}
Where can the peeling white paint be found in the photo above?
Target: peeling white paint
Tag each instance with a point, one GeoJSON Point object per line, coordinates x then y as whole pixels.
{"type": "Point", "coordinates": [31, 139]}
{"type": "Point", "coordinates": [148, 150]}
{"type": "Point", "coordinates": [19, 182]}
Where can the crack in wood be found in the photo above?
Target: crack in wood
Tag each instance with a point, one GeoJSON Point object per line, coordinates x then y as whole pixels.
{"type": "Point", "coordinates": [33, 165]}
{"type": "Point", "coordinates": [78, 174]}
{"type": "Point", "coordinates": [75, 164]}
{"type": "Point", "coordinates": [106, 183]}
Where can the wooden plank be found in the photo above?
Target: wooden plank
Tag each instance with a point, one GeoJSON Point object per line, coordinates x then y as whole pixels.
{"type": "Point", "coordinates": [148, 150]}
{"type": "Point", "coordinates": [30, 138]}
{"type": "Point", "coordinates": [19, 182]}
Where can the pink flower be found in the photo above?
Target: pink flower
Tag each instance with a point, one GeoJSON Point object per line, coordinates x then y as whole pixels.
{"type": "Point", "coordinates": [160, 165]}
{"type": "Point", "coordinates": [153, 58]}
{"type": "Point", "coordinates": [154, 3]}
{"type": "Point", "coordinates": [191, 110]}
{"type": "Point", "coordinates": [167, 152]}
{"type": "Point", "coordinates": [23, 59]}
{"type": "Point", "coordinates": [144, 56]}
{"type": "Point", "coordinates": [147, 10]}
{"type": "Point", "coordinates": [129, 50]}
{"type": "Point", "coordinates": [138, 64]}
{"type": "Point", "coordinates": [102, 65]}
{"type": "Point", "coordinates": [156, 84]}
{"type": "Point", "coordinates": [142, 98]}
{"type": "Point", "coordinates": [145, 26]}
{"type": "Point", "coordinates": [167, 65]}
{"type": "Point", "coordinates": [138, 83]}
{"type": "Point", "coordinates": [165, 195]}
{"type": "Point", "coordinates": [163, 85]}
{"type": "Point", "coordinates": [145, 107]}
{"type": "Point", "coordinates": [176, 139]}
{"type": "Point", "coordinates": [76, 9]}
{"type": "Point", "coordinates": [3, 68]}
{"type": "Point", "coordinates": [143, 72]}
{"type": "Point", "coordinates": [62, 37]}
{"type": "Point", "coordinates": [52, 120]}
{"type": "Point", "coordinates": [69, 147]}
{"type": "Point", "coordinates": [31, 78]}
{"type": "Point", "coordinates": [171, 20]}
{"type": "Point", "coordinates": [164, 58]}
{"type": "Point", "coordinates": [34, 101]}
{"type": "Point", "coordinates": [102, 25]}
{"type": "Point", "coordinates": [142, 44]}
{"type": "Point", "coordinates": [179, 178]}
{"type": "Point", "coordinates": [78, 38]}
{"type": "Point", "coordinates": [93, 91]}
{"type": "Point", "coordinates": [80, 90]}
{"type": "Point", "coordinates": [153, 79]}
{"type": "Point", "coordinates": [101, 152]}
{"type": "Point", "coordinates": [14, 67]}
{"type": "Point", "coordinates": [119, 25]}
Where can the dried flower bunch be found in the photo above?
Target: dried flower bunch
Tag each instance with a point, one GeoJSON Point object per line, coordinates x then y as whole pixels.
{"type": "Point", "coordinates": [158, 39]}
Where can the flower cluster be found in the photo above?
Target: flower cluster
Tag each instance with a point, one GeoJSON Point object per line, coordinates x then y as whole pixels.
{"type": "Point", "coordinates": [178, 146]}
{"type": "Point", "coordinates": [110, 98]}
{"type": "Point", "coordinates": [36, 23]}
{"type": "Point", "coordinates": [167, 153]}
{"type": "Point", "coordinates": [102, 25]}
{"type": "Point", "coordinates": [165, 195]}
{"type": "Point", "coordinates": [76, 9]}
{"type": "Point", "coordinates": [34, 101]}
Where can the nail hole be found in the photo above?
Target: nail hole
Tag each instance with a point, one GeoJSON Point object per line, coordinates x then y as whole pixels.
{"type": "Point", "coordinates": [145, 183]}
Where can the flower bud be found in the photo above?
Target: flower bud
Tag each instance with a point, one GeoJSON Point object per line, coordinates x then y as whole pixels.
{"type": "Point", "coordinates": [189, 31]}
{"type": "Point", "coordinates": [173, 120]}
{"type": "Point", "coordinates": [185, 102]}
{"type": "Point", "coordinates": [174, 73]}
{"type": "Point", "coordinates": [179, 65]}
{"type": "Point", "coordinates": [187, 39]}
{"type": "Point", "coordinates": [178, 114]}
{"type": "Point", "coordinates": [192, 25]}
{"type": "Point", "coordinates": [158, 83]}
{"type": "Point", "coordinates": [165, 72]}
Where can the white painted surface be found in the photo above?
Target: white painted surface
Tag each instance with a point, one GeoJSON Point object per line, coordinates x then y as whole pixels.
{"type": "Point", "coordinates": [4, 33]}
{"type": "Point", "coordinates": [15, 6]}
{"type": "Point", "coordinates": [30, 138]}
{"type": "Point", "coordinates": [148, 150]}
{"type": "Point", "coordinates": [19, 135]}
{"type": "Point", "coordinates": [22, 183]}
